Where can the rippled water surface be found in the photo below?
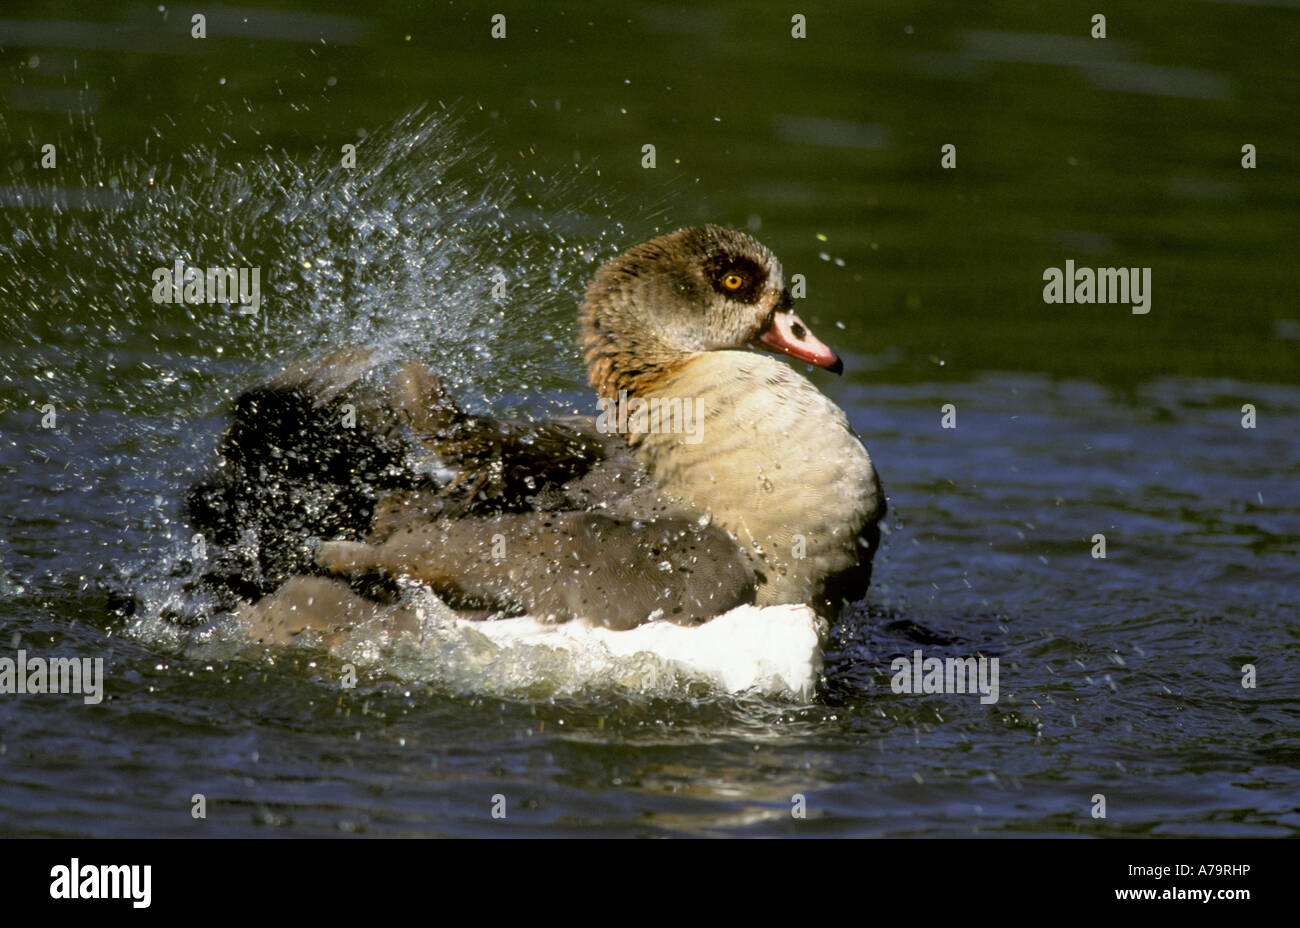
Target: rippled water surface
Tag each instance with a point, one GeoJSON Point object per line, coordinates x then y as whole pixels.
{"type": "Point", "coordinates": [521, 159]}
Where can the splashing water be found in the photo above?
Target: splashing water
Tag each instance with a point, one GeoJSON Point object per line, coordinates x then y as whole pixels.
{"type": "Point", "coordinates": [428, 248]}
{"type": "Point", "coordinates": [401, 252]}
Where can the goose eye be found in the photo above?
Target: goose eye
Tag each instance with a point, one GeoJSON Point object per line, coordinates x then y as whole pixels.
{"type": "Point", "coordinates": [733, 281]}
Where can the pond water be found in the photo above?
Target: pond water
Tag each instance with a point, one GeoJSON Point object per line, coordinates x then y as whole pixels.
{"type": "Point", "coordinates": [522, 158]}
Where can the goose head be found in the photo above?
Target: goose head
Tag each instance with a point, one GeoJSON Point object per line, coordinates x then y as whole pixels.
{"type": "Point", "coordinates": [695, 290]}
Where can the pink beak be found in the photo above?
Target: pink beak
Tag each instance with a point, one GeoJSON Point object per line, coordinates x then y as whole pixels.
{"type": "Point", "coordinates": [788, 335]}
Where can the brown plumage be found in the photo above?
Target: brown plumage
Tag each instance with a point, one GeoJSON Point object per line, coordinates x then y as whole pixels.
{"type": "Point", "coordinates": [764, 495]}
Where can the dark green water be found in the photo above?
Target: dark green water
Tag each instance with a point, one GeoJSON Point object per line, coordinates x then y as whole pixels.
{"type": "Point", "coordinates": [1119, 676]}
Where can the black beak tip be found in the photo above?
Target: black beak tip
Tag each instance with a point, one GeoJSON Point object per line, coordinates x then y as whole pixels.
{"type": "Point", "coordinates": [838, 366]}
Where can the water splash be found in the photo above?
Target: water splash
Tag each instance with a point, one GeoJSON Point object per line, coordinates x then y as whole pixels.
{"type": "Point", "coordinates": [405, 251]}
{"type": "Point", "coordinates": [428, 248]}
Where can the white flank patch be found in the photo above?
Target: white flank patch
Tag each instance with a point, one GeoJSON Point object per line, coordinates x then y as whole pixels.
{"type": "Point", "coordinates": [776, 650]}
{"type": "Point", "coordinates": [773, 651]}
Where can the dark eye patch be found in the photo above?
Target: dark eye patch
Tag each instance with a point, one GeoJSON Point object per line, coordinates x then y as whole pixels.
{"type": "Point", "coordinates": [753, 275]}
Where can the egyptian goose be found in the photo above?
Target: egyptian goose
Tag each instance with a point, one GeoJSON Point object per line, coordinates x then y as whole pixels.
{"type": "Point", "coordinates": [715, 476]}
